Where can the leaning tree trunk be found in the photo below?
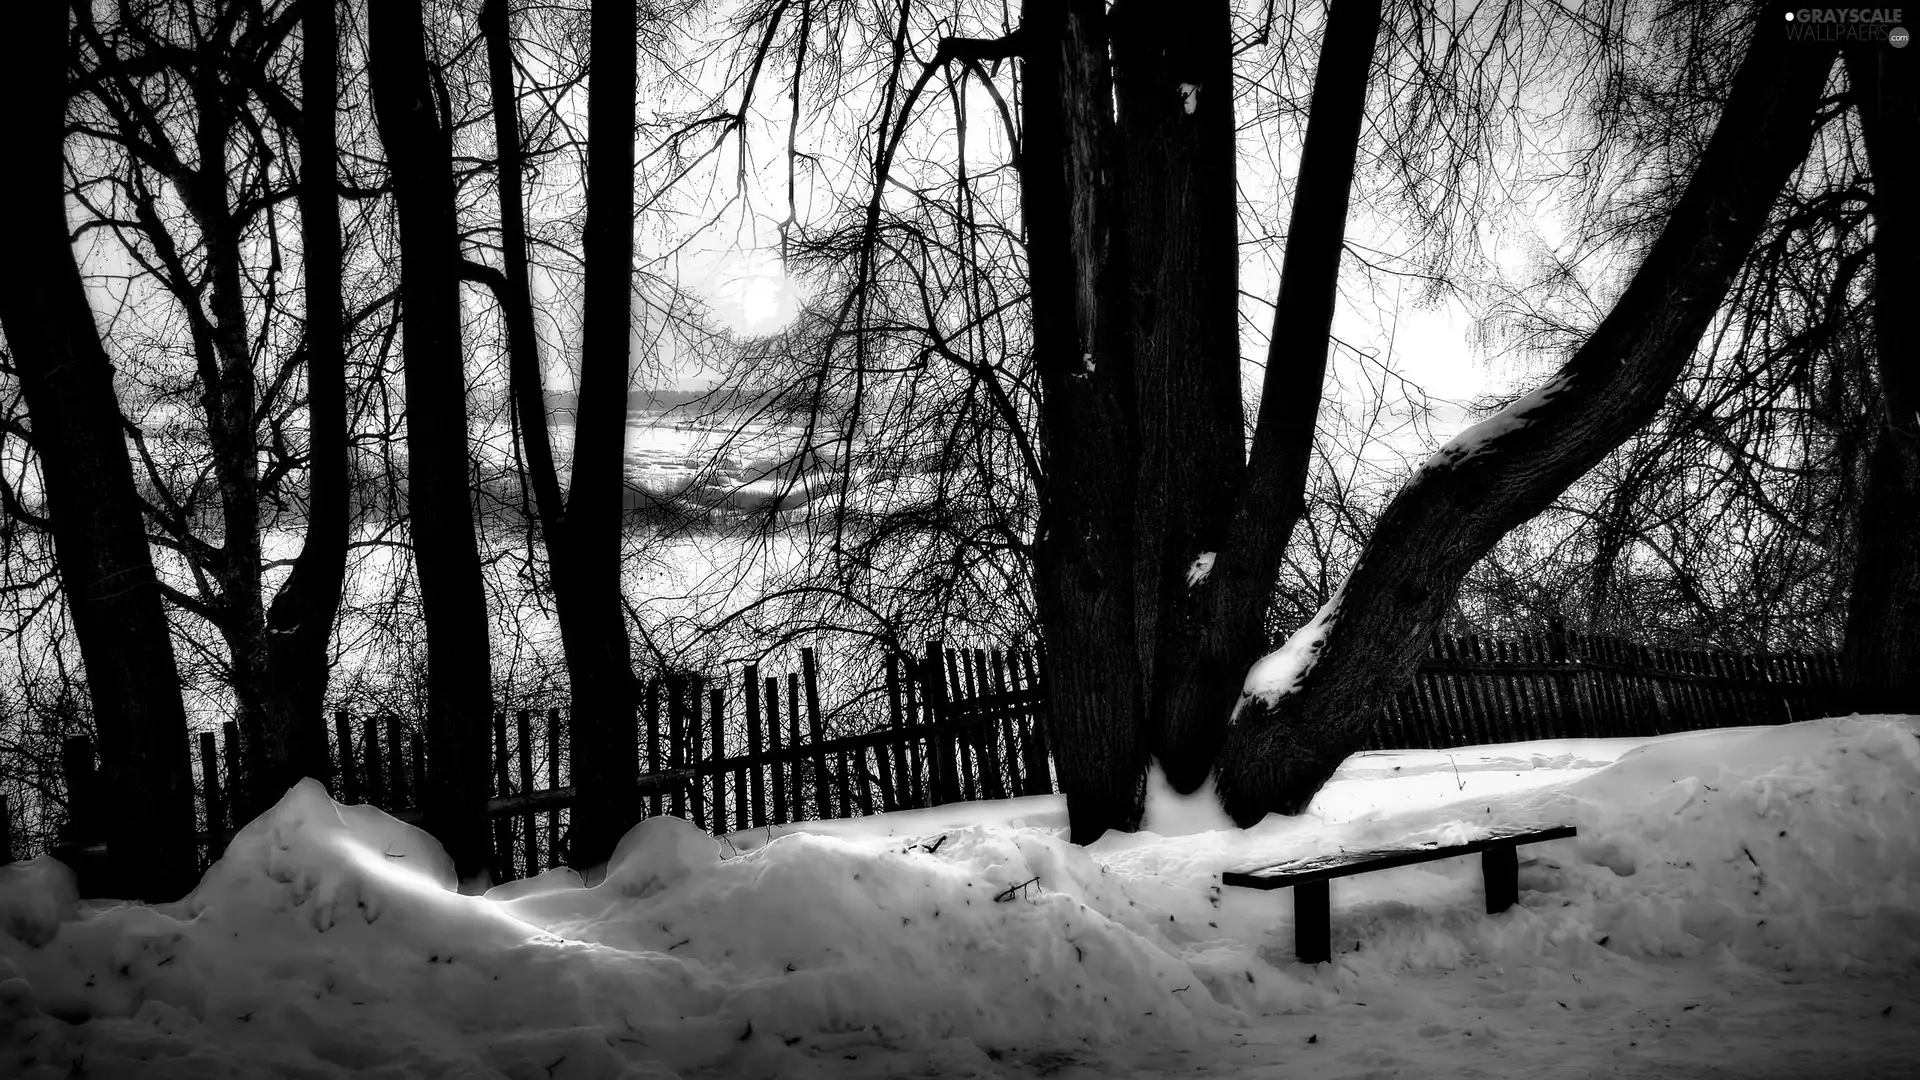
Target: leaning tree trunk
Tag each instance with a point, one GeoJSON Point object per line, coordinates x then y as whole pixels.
{"type": "Point", "coordinates": [300, 620]}
{"type": "Point", "coordinates": [1881, 653]}
{"type": "Point", "coordinates": [452, 596]}
{"type": "Point", "coordinates": [593, 627]}
{"type": "Point", "coordinates": [1084, 563]}
{"type": "Point", "coordinates": [100, 541]}
{"type": "Point", "coordinates": [1212, 629]}
{"type": "Point", "coordinates": [1309, 705]}
{"type": "Point", "coordinates": [1173, 84]}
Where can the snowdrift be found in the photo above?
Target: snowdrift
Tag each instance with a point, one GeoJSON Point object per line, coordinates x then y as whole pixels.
{"type": "Point", "coordinates": [329, 940]}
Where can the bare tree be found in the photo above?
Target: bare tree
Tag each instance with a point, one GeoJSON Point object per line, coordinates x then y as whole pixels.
{"type": "Point", "coordinates": [413, 129]}
{"type": "Point", "coordinates": [93, 509]}
{"type": "Point", "coordinates": [1305, 708]}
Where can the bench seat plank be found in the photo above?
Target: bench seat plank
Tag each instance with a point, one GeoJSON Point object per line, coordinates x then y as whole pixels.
{"type": "Point", "coordinates": [1348, 863]}
{"type": "Point", "coordinates": [1312, 923]}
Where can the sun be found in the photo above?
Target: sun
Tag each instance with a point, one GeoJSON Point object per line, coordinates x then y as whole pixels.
{"type": "Point", "coordinates": [754, 295]}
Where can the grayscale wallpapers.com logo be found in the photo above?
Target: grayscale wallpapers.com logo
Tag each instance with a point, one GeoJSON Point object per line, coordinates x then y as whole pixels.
{"type": "Point", "coordinates": [1848, 24]}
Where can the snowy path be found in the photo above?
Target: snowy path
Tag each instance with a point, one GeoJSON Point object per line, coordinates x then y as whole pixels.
{"type": "Point", "coordinates": [1739, 903]}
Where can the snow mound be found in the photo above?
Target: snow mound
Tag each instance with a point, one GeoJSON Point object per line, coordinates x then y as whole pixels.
{"type": "Point", "coordinates": [36, 896]}
{"type": "Point", "coordinates": [1774, 844]}
{"type": "Point", "coordinates": [657, 854]}
{"type": "Point", "coordinates": [972, 939]}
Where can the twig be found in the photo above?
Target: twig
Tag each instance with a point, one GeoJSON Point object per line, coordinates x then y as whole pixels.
{"type": "Point", "coordinates": [1005, 895]}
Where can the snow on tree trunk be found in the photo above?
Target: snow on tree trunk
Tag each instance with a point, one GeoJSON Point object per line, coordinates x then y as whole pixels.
{"type": "Point", "coordinates": [1212, 626]}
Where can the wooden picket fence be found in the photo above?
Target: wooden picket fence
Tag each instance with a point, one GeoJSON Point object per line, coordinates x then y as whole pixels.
{"type": "Point", "coordinates": [1561, 684]}
{"type": "Point", "coordinates": [970, 723]}
{"type": "Point", "coordinates": [972, 730]}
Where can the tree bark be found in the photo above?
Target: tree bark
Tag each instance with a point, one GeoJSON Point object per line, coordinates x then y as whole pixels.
{"type": "Point", "coordinates": [100, 543]}
{"type": "Point", "coordinates": [582, 530]}
{"type": "Point", "coordinates": [1173, 84]}
{"type": "Point", "coordinates": [1292, 730]}
{"type": "Point", "coordinates": [300, 620]}
{"type": "Point", "coordinates": [1881, 651]}
{"type": "Point", "coordinates": [1211, 631]}
{"type": "Point", "coordinates": [439, 510]}
{"type": "Point", "coordinates": [1084, 567]}
{"type": "Point", "coordinates": [593, 629]}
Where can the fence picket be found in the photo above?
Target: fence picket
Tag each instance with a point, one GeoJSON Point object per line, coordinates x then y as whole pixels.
{"type": "Point", "coordinates": [1015, 782]}
{"type": "Point", "coordinates": [419, 765]}
{"type": "Point", "coordinates": [696, 738]}
{"type": "Point", "coordinates": [529, 845]}
{"type": "Point", "coordinates": [676, 744]}
{"type": "Point", "coordinates": [892, 766]}
{"type": "Point", "coordinates": [502, 827]}
{"type": "Point", "coordinates": [945, 784]}
{"type": "Point", "coordinates": [751, 695]}
{"type": "Point", "coordinates": [210, 783]}
{"type": "Point", "coordinates": [781, 804]}
{"type": "Point", "coordinates": [654, 763]}
{"type": "Point", "coordinates": [823, 803]}
{"type": "Point", "coordinates": [553, 782]}
{"type": "Point", "coordinates": [717, 716]}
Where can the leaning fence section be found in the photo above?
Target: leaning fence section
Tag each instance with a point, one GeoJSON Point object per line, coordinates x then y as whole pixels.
{"type": "Point", "coordinates": [757, 750]}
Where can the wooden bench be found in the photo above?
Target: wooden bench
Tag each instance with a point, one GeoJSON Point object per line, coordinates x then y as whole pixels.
{"type": "Point", "coordinates": [1312, 936]}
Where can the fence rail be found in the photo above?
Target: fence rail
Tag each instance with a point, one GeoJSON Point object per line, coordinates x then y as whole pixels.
{"type": "Point", "coordinates": [970, 723]}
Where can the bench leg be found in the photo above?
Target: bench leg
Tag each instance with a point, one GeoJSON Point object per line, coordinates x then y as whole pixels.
{"type": "Point", "coordinates": [1500, 869]}
{"type": "Point", "coordinates": [1312, 936]}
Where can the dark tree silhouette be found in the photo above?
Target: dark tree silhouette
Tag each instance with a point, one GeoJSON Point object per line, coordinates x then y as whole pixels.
{"type": "Point", "coordinates": [300, 620]}
{"type": "Point", "coordinates": [583, 528]}
{"type": "Point", "coordinates": [439, 510]}
{"type": "Point", "coordinates": [1136, 341]}
{"type": "Point", "coordinates": [1881, 653]}
{"type": "Point", "coordinates": [99, 539]}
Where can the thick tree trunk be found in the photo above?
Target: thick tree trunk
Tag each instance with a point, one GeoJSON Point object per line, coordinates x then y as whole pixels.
{"type": "Point", "coordinates": [1306, 707]}
{"type": "Point", "coordinates": [1881, 654]}
{"type": "Point", "coordinates": [1212, 630]}
{"type": "Point", "coordinates": [1084, 573]}
{"type": "Point", "coordinates": [1173, 82]}
{"type": "Point", "coordinates": [439, 511]}
{"type": "Point", "coordinates": [100, 543]}
{"type": "Point", "coordinates": [593, 629]}
{"type": "Point", "coordinates": [300, 621]}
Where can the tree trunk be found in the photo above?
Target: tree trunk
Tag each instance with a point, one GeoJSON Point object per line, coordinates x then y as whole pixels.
{"type": "Point", "coordinates": [593, 627]}
{"type": "Point", "coordinates": [100, 543]}
{"type": "Point", "coordinates": [1307, 706]}
{"type": "Point", "coordinates": [583, 532]}
{"type": "Point", "coordinates": [1212, 630]}
{"type": "Point", "coordinates": [1084, 570]}
{"type": "Point", "coordinates": [512, 290]}
{"type": "Point", "coordinates": [1881, 653]}
{"type": "Point", "coordinates": [300, 621]}
{"type": "Point", "coordinates": [1173, 83]}
{"type": "Point", "coordinates": [439, 511]}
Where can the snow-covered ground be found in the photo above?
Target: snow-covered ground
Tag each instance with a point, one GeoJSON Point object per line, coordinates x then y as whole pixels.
{"type": "Point", "coordinates": [1739, 903]}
